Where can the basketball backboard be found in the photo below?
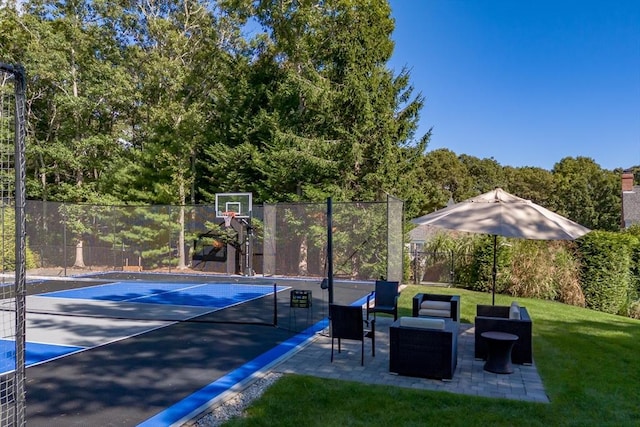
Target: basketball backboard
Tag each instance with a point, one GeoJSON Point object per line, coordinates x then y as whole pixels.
{"type": "Point", "coordinates": [238, 203]}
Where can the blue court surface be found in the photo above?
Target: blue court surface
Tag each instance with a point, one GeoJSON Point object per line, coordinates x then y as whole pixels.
{"type": "Point", "coordinates": [45, 343]}
{"type": "Point", "coordinates": [214, 296]}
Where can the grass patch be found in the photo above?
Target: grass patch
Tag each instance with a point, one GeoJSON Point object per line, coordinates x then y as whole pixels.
{"type": "Point", "coordinates": [588, 361]}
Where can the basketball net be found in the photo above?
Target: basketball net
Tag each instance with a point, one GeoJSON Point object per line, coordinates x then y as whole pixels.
{"type": "Point", "coordinates": [228, 216]}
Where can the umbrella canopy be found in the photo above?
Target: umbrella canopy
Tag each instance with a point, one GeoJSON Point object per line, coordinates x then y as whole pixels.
{"type": "Point", "coordinates": [502, 214]}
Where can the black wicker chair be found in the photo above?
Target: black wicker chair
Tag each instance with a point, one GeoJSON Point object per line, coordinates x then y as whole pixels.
{"type": "Point", "coordinates": [385, 299]}
{"type": "Point", "coordinates": [496, 318]}
{"type": "Point", "coordinates": [424, 352]}
{"type": "Point", "coordinates": [347, 323]}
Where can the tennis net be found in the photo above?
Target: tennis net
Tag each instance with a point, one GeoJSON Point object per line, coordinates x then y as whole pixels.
{"type": "Point", "coordinates": [164, 298]}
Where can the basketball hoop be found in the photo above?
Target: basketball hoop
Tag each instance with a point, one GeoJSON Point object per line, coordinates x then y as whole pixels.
{"type": "Point", "coordinates": [228, 216]}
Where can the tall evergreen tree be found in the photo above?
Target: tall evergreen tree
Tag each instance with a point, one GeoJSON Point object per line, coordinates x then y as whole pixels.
{"type": "Point", "coordinates": [327, 116]}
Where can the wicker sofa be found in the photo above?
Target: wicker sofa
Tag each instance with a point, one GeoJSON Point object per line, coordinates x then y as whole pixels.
{"type": "Point", "coordinates": [435, 305]}
{"type": "Point", "coordinates": [503, 319]}
{"type": "Point", "coordinates": [422, 347]}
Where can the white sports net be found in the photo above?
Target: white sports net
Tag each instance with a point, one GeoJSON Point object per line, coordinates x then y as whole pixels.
{"type": "Point", "coordinates": [12, 247]}
{"type": "Point", "coordinates": [228, 216]}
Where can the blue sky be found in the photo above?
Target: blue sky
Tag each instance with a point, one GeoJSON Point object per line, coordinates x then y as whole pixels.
{"type": "Point", "coordinates": [526, 82]}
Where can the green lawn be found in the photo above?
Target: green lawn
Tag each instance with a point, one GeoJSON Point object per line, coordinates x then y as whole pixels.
{"type": "Point", "coordinates": [589, 363]}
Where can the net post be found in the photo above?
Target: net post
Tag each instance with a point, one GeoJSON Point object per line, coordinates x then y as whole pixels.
{"type": "Point", "coordinates": [275, 304]}
{"type": "Point", "coordinates": [20, 243]}
{"type": "Point", "coordinates": [12, 385]}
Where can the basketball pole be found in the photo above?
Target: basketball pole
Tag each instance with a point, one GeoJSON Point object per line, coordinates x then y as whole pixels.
{"type": "Point", "coordinates": [330, 248]}
{"type": "Point", "coordinates": [248, 271]}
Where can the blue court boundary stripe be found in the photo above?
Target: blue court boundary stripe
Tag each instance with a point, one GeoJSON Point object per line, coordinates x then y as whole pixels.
{"type": "Point", "coordinates": [192, 405]}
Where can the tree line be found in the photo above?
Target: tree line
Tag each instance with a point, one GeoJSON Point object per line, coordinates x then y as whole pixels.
{"type": "Point", "coordinates": [171, 101]}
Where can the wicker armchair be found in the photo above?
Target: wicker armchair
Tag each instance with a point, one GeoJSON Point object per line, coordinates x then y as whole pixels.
{"type": "Point", "coordinates": [443, 306]}
{"type": "Point", "coordinates": [423, 351]}
{"type": "Point", "coordinates": [496, 318]}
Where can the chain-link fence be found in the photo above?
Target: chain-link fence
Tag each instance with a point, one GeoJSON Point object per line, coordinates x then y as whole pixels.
{"type": "Point", "coordinates": [284, 239]}
{"type": "Point", "coordinates": [436, 267]}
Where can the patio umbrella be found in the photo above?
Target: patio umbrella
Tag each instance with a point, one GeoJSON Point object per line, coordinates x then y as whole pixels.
{"type": "Point", "coordinates": [499, 213]}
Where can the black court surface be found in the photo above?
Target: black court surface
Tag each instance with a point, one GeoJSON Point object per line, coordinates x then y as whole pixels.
{"type": "Point", "coordinates": [136, 349]}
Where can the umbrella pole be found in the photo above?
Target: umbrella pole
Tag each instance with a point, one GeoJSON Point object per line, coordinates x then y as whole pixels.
{"type": "Point", "coordinates": [495, 271]}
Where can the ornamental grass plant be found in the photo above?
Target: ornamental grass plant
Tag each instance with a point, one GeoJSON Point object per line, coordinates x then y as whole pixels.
{"type": "Point", "coordinates": [589, 362]}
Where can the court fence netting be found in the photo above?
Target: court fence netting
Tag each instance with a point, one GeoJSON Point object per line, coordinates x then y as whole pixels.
{"type": "Point", "coordinates": [279, 240]}
{"type": "Point", "coordinates": [186, 256]}
{"type": "Point", "coordinates": [12, 290]}
{"type": "Point", "coordinates": [184, 264]}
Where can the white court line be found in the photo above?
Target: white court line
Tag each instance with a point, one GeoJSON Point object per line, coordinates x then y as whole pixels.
{"type": "Point", "coordinates": [221, 284]}
{"type": "Point", "coordinates": [197, 285]}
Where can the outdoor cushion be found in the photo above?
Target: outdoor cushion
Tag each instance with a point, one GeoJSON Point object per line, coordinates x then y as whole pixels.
{"type": "Point", "coordinates": [451, 310]}
{"type": "Point", "coordinates": [422, 323]}
{"type": "Point", "coordinates": [433, 312]}
{"type": "Point", "coordinates": [514, 312]}
{"type": "Point", "coordinates": [437, 305]}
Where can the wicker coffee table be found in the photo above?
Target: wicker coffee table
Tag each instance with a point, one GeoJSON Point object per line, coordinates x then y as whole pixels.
{"type": "Point", "coordinates": [499, 346]}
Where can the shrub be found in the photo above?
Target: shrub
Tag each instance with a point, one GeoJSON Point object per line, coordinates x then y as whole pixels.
{"type": "Point", "coordinates": [634, 310]}
{"type": "Point", "coordinates": [634, 231]}
{"type": "Point", "coordinates": [566, 275]}
{"type": "Point", "coordinates": [8, 253]}
{"type": "Point", "coordinates": [480, 269]}
{"type": "Point", "coordinates": [531, 275]}
{"type": "Point", "coordinates": [600, 271]}
{"type": "Point", "coordinates": [406, 266]}
{"type": "Point", "coordinates": [545, 270]}
{"type": "Point", "coordinates": [605, 271]}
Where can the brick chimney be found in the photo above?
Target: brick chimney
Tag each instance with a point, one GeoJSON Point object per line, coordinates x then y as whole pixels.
{"type": "Point", "coordinates": [627, 181]}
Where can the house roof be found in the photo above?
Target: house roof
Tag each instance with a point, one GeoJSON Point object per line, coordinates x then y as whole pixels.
{"type": "Point", "coordinates": [631, 207]}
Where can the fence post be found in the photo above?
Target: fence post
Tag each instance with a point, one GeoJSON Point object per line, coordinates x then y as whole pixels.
{"type": "Point", "coordinates": [330, 247]}
{"type": "Point", "coordinates": [416, 268]}
{"type": "Point", "coordinates": [64, 239]}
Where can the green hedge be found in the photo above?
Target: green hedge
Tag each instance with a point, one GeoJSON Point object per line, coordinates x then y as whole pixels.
{"type": "Point", "coordinates": [635, 270]}
{"type": "Point", "coordinates": [634, 230]}
{"type": "Point", "coordinates": [606, 260]}
{"type": "Point", "coordinates": [8, 242]}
